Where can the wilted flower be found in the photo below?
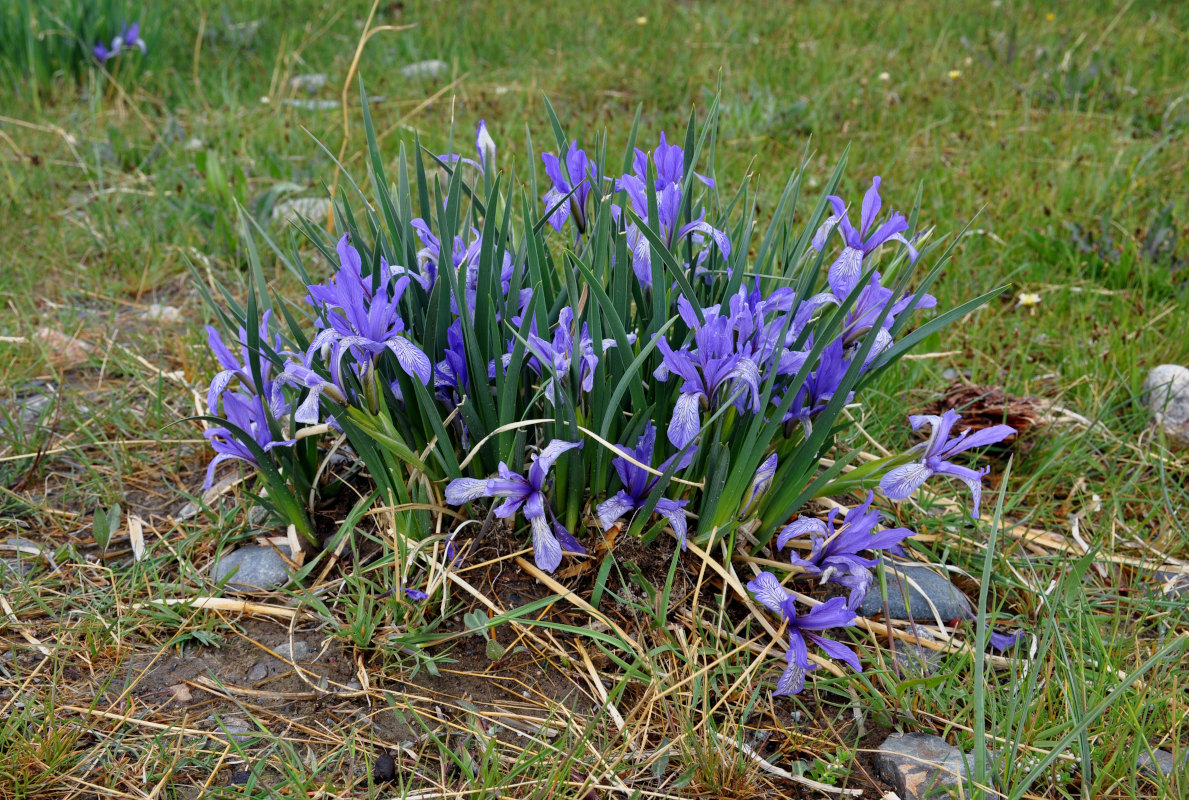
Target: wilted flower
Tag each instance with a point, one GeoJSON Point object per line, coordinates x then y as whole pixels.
{"type": "Point", "coordinates": [129, 37]}
{"type": "Point", "coordinates": [835, 555]}
{"type": "Point", "coordinates": [527, 493]}
{"type": "Point", "coordinates": [848, 268]}
{"type": "Point", "coordinates": [902, 481]}
{"type": "Point", "coordinates": [246, 412]}
{"type": "Point", "coordinates": [364, 320]}
{"type": "Point", "coordinates": [638, 484]}
{"type": "Point", "coordinates": [833, 613]}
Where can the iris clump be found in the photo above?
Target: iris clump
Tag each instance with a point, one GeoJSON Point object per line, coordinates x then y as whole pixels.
{"type": "Point", "coordinates": [518, 362]}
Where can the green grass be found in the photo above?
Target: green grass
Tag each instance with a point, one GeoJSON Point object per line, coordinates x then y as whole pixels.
{"type": "Point", "coordinates": [1064, 129]}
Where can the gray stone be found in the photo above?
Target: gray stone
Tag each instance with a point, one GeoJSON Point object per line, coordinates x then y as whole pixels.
{"type": "Point", "coordinates": [1166, 393]}
{"type": "Point", "coordinates": [311, 105]}
{"type": "Point", "coordinates": [419, 70]}
{"type": "Point", "coordinates": [1172, 584]}
{"type": "Point", "coordinates": [1159, 763]}
{"type": "Point", "coordinates": [258, 672]}
{"type": "Point", "coordinates": [17, 562]}
{"type": "Point", "coordinates": [921, 766]}
{"type": "Point", "coordinates": [915, 660]}
{"type": "Point", "coordinates": [309, 83]}
{"type": "Point", "coordinates": [300, 651]}
{"type": "Point", "coordinates": [951, 604]}
{"type": "Point", "coordinates": [256, 568]}
{"type": "Point", "coordinates": [314, 208]}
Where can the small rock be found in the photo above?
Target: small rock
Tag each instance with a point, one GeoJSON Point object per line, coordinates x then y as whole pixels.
{"type": "Point", "coordinates": [384, 770]}
{"type": "Point", "coordinates": [420, 70]}
{"type": "Point", "coordinates": [309, 83]}
{"type": "Point", "coordinates": [238, 730]}
{"type": "Point", "coordinates": [950, 602]}
{"type": "Point", "coordinates": [300, 651]}
{"type": "Point", "coordinates": [240, 778]}
{"type": "Point", "coordinates": [64, 352]}
{"type": "Point", "coordinates": [256, 569]}
{"type": "Point", "coordinates": [1159, 763]}
{"type": "Point", "coordinates": [258, 672]}
{"type": "Point", "coordinates": [18, 560]}
{"type": "Point", "coordinates": [160, 313]}
{"type": "Point", "coordinates": [311, 105]}
{"type": "Point", "coordinates": [914, 660]}
{"type": "Point", "coordinates": [315, 208]}
{"type": "Point", "coordinates": [1172, 584]}
{"type": "Point", "coordinates": [1166, 393]}
{"type": "Point", "coordinates": [922, 766]}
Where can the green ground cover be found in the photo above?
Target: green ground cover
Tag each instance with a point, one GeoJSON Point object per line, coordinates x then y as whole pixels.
{"type": "Point", "coordinates": [1065, 130]}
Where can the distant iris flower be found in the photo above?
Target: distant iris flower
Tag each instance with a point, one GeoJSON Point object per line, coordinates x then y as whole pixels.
{"type": "Point", "coordinates": [527, 494]}
{"type": "Point", "coordinates": [835, 555]}
{"type": "Point", "coordinates": [638, 484]}
{"type": "Point", "coordinates": [845, 272]}
{"type": "Point", "coordinates": [902, 481]}
{"type": "Point", "coordinates": [484, 146]}
{"type": "Point", "coordinates": [129, 37]}
{"type": "Point", "coordinates": [833, 613]}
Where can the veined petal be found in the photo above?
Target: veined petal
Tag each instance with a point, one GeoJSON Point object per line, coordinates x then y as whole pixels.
{"type": "Point", "coordinates": [837, 651]}
{"type": "Point", "coordinates": [845, 272]}
{"type": "Point", "coordinates": [972, 478]}
{"type": "Point", "coordinates": [903, 481]}
{"type": "Point", "coordinates": [464, 490]}
{"type": "Point", "coordinates": [546, 548]}
{"type": "Point", "coordinates": [686, 421]}
{"type": "Point", "coordinates": [797, 653]}
{"type": "Point", "coordinates": [992, 435]}
{"type": "Point", "coordinates": [674, 511]}
{"type": "Point", "coordinates": [768, 591]}
{"type": "Point", "coordinates": [545, 459]}
{"type": "Point", "coordinates": [614, 508]}
{"type": "Point", "coordinates": [824, 230]}
{"type": "Point", "coordinates": [412, 359]}
{"type": "Point", "coordinates": [792, 681]}
{"type": "Point", "coordinates": [801, 526]}
{"type": "Point", "coordinates": [831, 614]}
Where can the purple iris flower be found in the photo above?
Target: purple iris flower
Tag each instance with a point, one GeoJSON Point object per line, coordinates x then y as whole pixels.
{"type": "Point", "coordinates": [670, 172]}
{"type": "Point", "coordinates": [819, 386]}
{"type": "Point", "coordinates": [309, 411]}
{"type": "Point", "coordinates": [416, 594]}
{"type": "Point", "coordinates": [833, 613]}
{"type": "Point", "coordinates": [527, 494]}
{"type": "Point", "coordinates": [363, 320]}
{"type": "Point", "coordinates": [1004, 641]}
{"type": "Point", "coordinates": [716, 363]}
{"type": "Point", "coordinates": [561, 352]}
{"type": "Point", "coordinates": [845, 272]}
{"type": "Point", "coordinates": [638, 483]}
{"type": "Point", "coordinates": [484, 146]}
{"type": "Point", "coordinates": [576, 175]}
{"type": "Point", "coordinates": [760, 483]}
{"type": "Point", "coordinates": [835, 555]}
{"type": "Point", "coordinates": [241, 366]}
{"type": "Point", "coordinates": [451, 371]}
{"type": "Point", "coordinates": [129, 37]}
{"type": "Point", "coordinates": [247, 412]}
{"type": "Point", "coordinates": [902, 481]}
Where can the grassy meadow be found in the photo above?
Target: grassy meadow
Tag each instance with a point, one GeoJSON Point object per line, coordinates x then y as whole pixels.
{"type": "Point", "coordinates": [1058, 132]}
